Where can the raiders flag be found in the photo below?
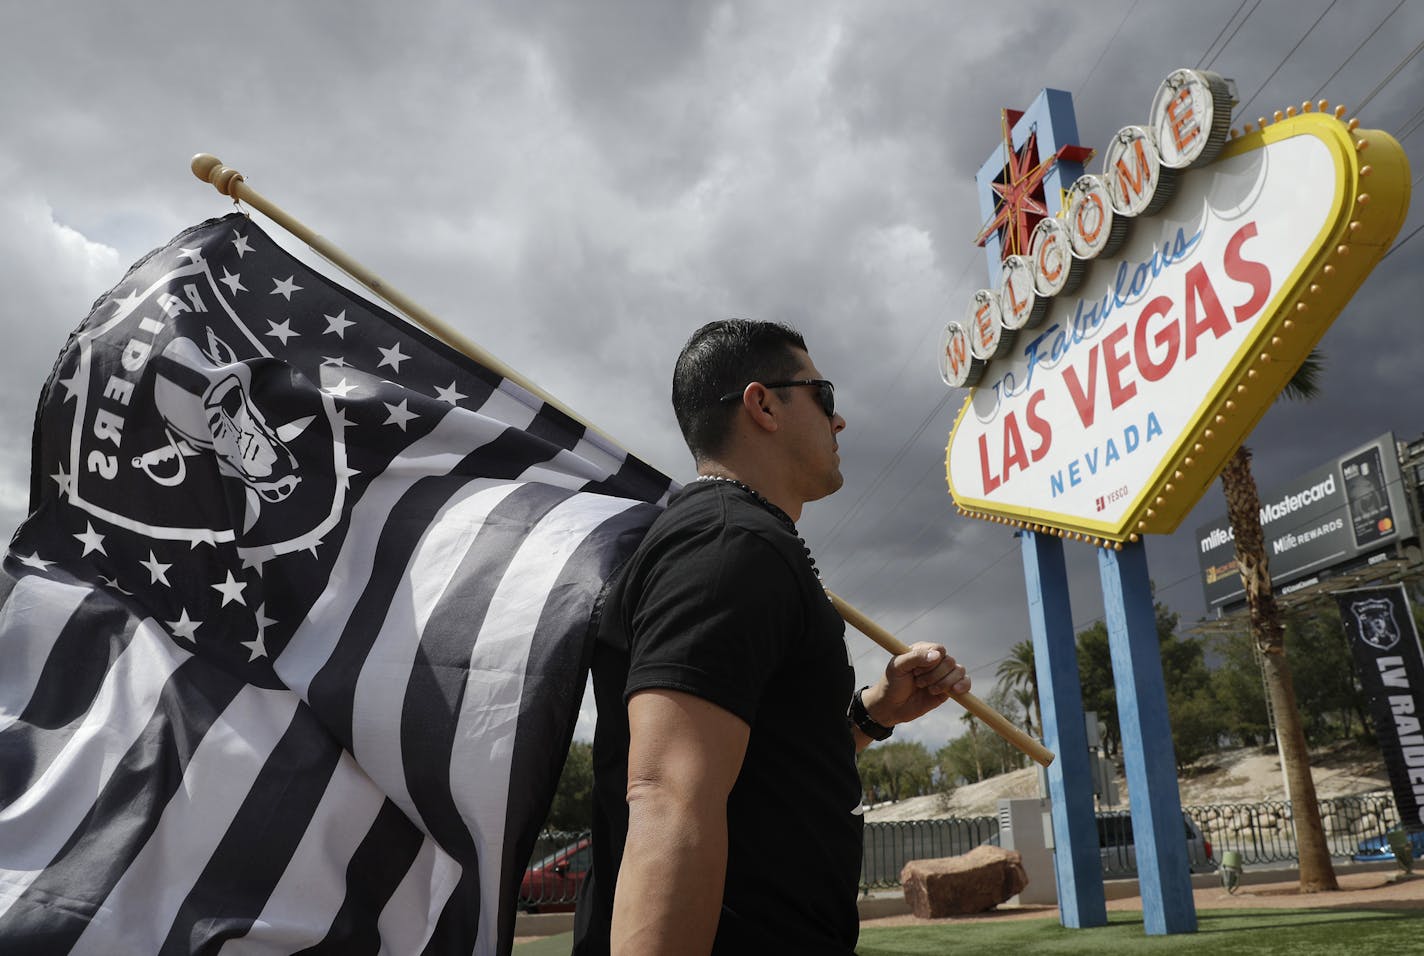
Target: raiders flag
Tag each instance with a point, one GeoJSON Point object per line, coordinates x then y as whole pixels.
{"type": "Point", "coordinates": [1385, 643]}
{"type": "Point", "coordinates": [294, 636]}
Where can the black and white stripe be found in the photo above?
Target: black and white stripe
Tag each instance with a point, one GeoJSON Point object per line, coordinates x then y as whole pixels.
{"type": "Point", "coordinates": [375, 783]}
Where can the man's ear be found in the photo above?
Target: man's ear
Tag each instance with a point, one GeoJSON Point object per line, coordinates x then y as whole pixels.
{"type": "Point", "coordinates": [760, 407]}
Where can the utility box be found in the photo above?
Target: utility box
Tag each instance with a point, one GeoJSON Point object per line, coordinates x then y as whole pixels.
{"type": "Point", "coordinates": [1104, 774]}
{"type": "Point", "coordinates": [1026, 826]}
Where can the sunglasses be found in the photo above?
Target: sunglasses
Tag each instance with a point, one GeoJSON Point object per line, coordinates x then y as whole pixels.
{"type": "Point", "coordinates": [825, 392]}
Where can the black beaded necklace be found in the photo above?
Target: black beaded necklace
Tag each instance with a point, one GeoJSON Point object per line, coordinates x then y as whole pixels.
{"type": "Point", "coordinates": [776, 512]}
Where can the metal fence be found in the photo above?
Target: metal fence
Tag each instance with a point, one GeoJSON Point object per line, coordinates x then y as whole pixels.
{"type": "Point", "coordinates": [889, 846]}
{"type": "Point", "coordinates": [1264, 832]}
{"type": "Point", "coordinates": [557, 866]}
{"type": "Point", "coordinates": [1260, 832]}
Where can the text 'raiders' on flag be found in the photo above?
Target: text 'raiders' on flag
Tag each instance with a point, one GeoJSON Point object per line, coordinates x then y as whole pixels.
{"type": "Point", "coordinates": [295, 633]}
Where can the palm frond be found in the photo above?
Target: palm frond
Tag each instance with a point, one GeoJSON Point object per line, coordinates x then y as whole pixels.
{"type": "Point", "coordinates": [1304, 385]}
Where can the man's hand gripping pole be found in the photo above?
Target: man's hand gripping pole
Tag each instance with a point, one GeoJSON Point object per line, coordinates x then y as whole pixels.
{"type": "Point", "coordinates": [997, 722]}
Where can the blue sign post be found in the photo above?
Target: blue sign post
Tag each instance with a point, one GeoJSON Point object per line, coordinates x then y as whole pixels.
{"type": "Point", "coordinates": [1021, 182]}
{"type": "Point", "coordinates": [1077, 864]}
{"type": "Point", "coordinates": [1158, 829]}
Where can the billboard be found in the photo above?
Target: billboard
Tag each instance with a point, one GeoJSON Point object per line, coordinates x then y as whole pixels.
{"type": "Point", "coordinates": [1335, 515]}
{"type": "Point", "coordinates": [1143, 332]}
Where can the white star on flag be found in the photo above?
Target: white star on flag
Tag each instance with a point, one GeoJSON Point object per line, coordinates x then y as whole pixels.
{"type": "Point", "coordinates": [126, 305]}
{"type": "Point", "coordinates": [91, 539]}
{"type": "Point", "coordinates": [36, 562]}
{"type": "Point", "coordinates": [449, 394]}
{"type": "Point", "coordinates": [233, 282]}
{"type": "Point", "coordinates": [399, 414]}
{"type": "Point", "coordinates": [184, 627]}
{"type": "Point", "coordinates": [240, 244]}
{"type": "Point", "coordinates": [340, 390]}
{"type": "Point", "coordinates": [282, 330]}
{"type": "Point", "coordinates": [231, 590]}
{"type": "Point", "coordinates": [334, 361]}
{"type": "Point", "coordinates": [337, 323]}
{"type": "Point", "coordinates": [195, 255]}
{"type": "Point", "coordinates": [157, 569]}
{"type": "Point", "coordinates": [71, 388]}
{"type": "Point", "coordinates": [64, 480]}
{"type": "Point", "coordinates": [285, 287]}
{"type": "Point", "coordinates": [258, 645]}
{"type": "Point", "coordinates": [391, 356]}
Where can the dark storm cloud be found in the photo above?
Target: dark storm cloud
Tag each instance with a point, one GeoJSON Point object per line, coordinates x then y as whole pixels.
{"type": "Point", "coordinates": [577, 186]}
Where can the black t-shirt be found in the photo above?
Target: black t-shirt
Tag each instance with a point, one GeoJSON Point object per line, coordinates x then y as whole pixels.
{"type": "Point", "coordinates": [721, 601]}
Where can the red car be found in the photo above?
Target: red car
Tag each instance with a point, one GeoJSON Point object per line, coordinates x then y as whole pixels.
{"type": "Point", "coordinates": [551, 885]}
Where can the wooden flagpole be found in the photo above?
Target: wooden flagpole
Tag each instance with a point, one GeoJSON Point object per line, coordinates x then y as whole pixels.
{"type": "Point", "coordinates": [997, 722]}
{"type": "Point", "coordinates": [232, 184]}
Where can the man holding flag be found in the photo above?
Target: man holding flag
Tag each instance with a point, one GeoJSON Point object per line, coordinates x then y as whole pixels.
{"type": "Point", "coordinates": [728, 720]}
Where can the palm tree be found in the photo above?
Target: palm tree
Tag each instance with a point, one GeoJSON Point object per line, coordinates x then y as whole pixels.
{"type": "Point", "coordinates": [1017, 671]}
{"type": "Point", "coordinates": [1243, 508]}
{"type": "Point", "coordinates": [973, 723]}
{"type": "Point", "coordinates": [1023, 696]}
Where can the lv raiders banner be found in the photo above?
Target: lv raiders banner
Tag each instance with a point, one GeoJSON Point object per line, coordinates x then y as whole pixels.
{"type": "Point", "coordinates": [294, 636]}
{"type": "Point", "coordinates": [1385, 643]}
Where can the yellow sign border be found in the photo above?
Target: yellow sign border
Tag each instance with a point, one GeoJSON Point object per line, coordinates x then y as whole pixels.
{"type": "Point", "coordinates": [1372, 193]}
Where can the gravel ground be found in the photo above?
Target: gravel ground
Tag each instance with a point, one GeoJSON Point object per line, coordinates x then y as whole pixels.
{"type": "Point", "coordinates": [1247, 775]}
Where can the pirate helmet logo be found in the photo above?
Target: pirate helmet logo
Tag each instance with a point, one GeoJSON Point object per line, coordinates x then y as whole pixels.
{"type": "Point", "coordinates": [204, 400]}
{"type": "Point", "coordinates": [1375, 619]}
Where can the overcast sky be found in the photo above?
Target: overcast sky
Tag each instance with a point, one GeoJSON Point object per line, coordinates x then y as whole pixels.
{"type": "Point", "coordinates": [578, 185]}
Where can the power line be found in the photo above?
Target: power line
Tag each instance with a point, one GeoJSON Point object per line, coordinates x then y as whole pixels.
{"type": "Point", "coordinates": [924, 529]}
{"type": "Point", "coordinates": [1233, 35]}
{"type": "Point", "coordinates": [900, 453]}
{"type": "Point", "coordinates": [1222, 32]}
{"type": "Point", "coordinates": [1378, 27]}
{"type": "Point", "coordinates": [1108, 46]}
{"type": "Point", "coordinates": [1402, 241]}
{"type": "Point", "coordinates": [1392, 74]}
{"type": "Point", "coordinates": [1410, 125]}
{"type": "Point", "coordinates": [1288, 55]}
{"type": "Point", "coordinates": [944, 600]}
{"type": "Point", "coordinates": [885, 471]}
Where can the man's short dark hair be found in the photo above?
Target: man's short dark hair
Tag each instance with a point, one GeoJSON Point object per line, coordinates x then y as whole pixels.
{"type": "Point", "coordinates": [721, 357]}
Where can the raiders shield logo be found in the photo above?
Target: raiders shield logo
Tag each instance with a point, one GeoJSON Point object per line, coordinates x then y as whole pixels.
{"type": "Point", "coordinates": [187, 428]}
{"type": "Point", "coordinates": [1375, 620]}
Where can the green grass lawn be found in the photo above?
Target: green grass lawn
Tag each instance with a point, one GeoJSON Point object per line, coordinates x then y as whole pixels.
{"type": "Point", "coordinates": [1236, 932]}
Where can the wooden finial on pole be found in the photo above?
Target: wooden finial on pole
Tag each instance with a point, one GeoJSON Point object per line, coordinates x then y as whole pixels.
{"type": "Point", "coordinates": [996, 721]}
{"type": "Point", "coordinates": [210, 169]}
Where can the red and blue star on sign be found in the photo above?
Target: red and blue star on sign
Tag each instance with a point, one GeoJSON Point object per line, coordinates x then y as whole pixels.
{"type": "Point", "coordinates": [1023, 180]}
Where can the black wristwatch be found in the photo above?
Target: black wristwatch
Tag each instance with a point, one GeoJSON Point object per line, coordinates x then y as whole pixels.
{"type": "Point", "coordinates": [860, 717]}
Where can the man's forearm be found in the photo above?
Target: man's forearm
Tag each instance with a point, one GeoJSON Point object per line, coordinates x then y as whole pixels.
{"type": "Point", "coordinates": [669, 894]}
